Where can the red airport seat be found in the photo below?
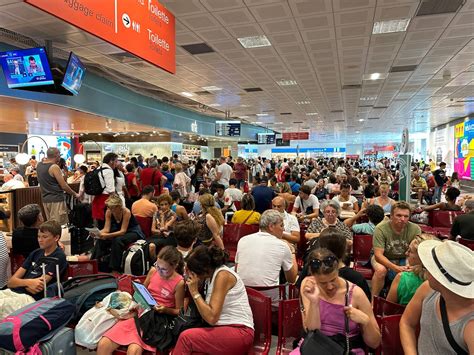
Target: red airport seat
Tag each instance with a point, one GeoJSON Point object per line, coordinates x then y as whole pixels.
{"type": "Point", "coordinates": [467, 242]}
{"type": "Point", "coordinates": [290, 325]}
{"type": "Point", "coordinates": [261, 306]}
{"type": "Point", "coordinates": [16, 261]}
{"type": "Point", "coordinates": [362, 247]}
{"type": "Point", "coordinates": [383, 308]}
{"type": "Point", "coordinates": [145, 225]}
{"type": "Point", "coordinates": [389, 327]}
{"type": "Point", "coordinates": [232, 234]}
{"type": "Point", "coordinates": [442, 219]}
{"type": "Point", "coordinates": [125, 282]}
{"type": "Point", "coordinates": [86, 267]}
{"type": "Point", "coordinates": [285, 291]}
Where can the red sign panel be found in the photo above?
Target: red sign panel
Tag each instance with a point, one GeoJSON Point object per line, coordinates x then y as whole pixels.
{"type": "Point", "coordinates": [353, 156]}
{"type": "Point", "coordinates": [384, 148]}
{"type": "Point", "coordinates": [144, 28]}
{"type": "Point", "coordinates": [294, 136]}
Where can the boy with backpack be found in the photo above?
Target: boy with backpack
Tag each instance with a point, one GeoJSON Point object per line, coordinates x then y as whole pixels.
{"type": "Point", "coordinates": [29, 278]}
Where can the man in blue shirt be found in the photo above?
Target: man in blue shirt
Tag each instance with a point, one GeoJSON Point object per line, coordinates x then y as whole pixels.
{"type": "Point", "coordinates": [263, 195]}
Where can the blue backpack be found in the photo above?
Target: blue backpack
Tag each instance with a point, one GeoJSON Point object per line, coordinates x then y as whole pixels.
{"type": "Point", "coordinates": [34, 323]}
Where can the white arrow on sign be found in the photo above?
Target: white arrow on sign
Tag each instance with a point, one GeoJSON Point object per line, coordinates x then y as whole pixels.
{"type": "Point", "coordinates": [126, 20]}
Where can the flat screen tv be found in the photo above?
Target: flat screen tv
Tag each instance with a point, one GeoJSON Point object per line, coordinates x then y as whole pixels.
{"type": "Point", "coordinates": [25, 68]}
{"type": "Point", "coordinates": [74, 75]}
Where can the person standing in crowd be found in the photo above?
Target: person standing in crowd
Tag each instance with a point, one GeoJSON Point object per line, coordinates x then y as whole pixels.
{"type": "Point", "coordinates": [225, 306]}
{"type": "Point", "coordinates": [151, 175]}
{"type": "Point", "coordinates": [440, 180]}
{"type": "Point", "coordinates": [182, 182]}
{"type": "Point", "coordinates": [53, 186]}
{"type": "Point", "coordinates": [240, 172]}
{"type": "Point", "coordinates": [224, 173]}
{"type": "Point", "coordinates": [391, 240]}
{"type": "Point", "coordinates": [132, 183]}
{"type": "Point", "coordinates": [263, 195]}
{"type": "Point", "coordinates": [107, 180]}
{"type": "Point", "coordinates": [442, 309]}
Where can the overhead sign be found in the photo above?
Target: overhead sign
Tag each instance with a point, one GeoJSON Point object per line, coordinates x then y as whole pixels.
{"type": "Point", "coordinates": [266, 138]}
{"type": "Point", "coordinates": [228, 128]}
{"type": "Point", "coordinates": [294, 136]}
{"type": "Point", "coordinates": [282, 143]}
{"type": "Point", "coordinates": [144, 28]}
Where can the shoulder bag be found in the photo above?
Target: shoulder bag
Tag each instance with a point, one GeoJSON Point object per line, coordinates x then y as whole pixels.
{"type": "Point", "coordinates": [447, 331]}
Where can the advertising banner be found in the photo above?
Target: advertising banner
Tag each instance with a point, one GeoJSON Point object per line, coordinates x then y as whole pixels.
{"type": "Point", "coordinates": [37, 148]}
{"type": "Point", "coordinates": [464, 150]}
{"type": "Point", "coordinates": [144, 28]}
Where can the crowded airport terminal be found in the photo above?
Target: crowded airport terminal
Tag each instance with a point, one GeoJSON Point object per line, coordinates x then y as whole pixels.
{"type": "Point", "coordinates": [233, 177]}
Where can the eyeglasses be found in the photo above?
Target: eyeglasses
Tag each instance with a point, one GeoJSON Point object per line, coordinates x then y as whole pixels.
{"type": "Point", "coordinates": [328, 261]}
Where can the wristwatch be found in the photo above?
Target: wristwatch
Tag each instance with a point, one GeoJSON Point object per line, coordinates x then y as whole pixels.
{"type": "Point", "coordinates": [196, 296]}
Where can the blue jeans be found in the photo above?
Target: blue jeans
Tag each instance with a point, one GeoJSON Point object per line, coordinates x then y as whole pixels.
{"type": "Point", "coordinates": [437, 194]}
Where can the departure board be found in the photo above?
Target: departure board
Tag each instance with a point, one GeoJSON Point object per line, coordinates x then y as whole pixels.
{"type": "Point", "coordinates": [228, 128]}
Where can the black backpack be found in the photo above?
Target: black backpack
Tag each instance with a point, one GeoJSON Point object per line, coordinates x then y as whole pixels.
{"type": "Point", "coordinates": [136, 259]}
{"type": "Point", "coordinates": [92, 185]}
{"type": "Point", "coordinates": [80, 215]}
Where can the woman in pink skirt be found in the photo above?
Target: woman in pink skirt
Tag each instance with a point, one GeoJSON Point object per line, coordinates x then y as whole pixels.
{"type": "Point", "coordinates": [166, 285]}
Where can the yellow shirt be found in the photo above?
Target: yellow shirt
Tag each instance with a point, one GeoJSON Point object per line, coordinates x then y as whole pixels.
{"type": "Point", "coordinates": [419, 184]}
{"type": "Point", "coordinates": [243, 215]}
{"type": "Point", "coordinates": [432, 166]}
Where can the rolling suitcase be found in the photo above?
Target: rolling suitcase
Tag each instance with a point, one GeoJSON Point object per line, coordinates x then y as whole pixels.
{"type": "Point", "coordinates": [61, 343]}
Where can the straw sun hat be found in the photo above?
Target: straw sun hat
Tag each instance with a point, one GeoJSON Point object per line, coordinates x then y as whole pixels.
{"type": "Point", "coordinates": [451, 264]}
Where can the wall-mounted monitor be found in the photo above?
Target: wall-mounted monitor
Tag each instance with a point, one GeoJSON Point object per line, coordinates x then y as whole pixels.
{"type": "Point", "coordinates": [228, 128]}
{"type": "Point", "coordinates": [266, 138]}
{"type": "Point", "coordinates": [25, 68]}
{"type": "Point", "coordinates": [74, 74]}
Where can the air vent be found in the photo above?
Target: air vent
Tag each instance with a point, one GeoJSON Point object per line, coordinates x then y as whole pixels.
{"type": "Point", "coordinates": [337, 111]}
{"type": "Point", "coordinates": [403, 68]}
{"type": "Point", "coordinates": [253, 89]}
{"type": "Point", "coordinates": [204, 92]}
{"type": "Point", "coordinates": [197, 48]}
{"type": "Point", "coordinates": [351, 87]}
{"type": "Point", "coordinates": [285, 113]}
{"type": "Point", "coordinates": [298, 122]}
{"type": "Point", "coordinates": [434, 7]}
{"type": "Point", "coordinates": [366, 106]}
{"type": "Point", "coordinates": [339, 121]}
{"type": "Point", "coordinates": [373, 118]}
{"type": "Point", "coordinates": [380, 107]}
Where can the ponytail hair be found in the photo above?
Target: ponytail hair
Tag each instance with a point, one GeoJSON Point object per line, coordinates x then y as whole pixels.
{"type": "Point", "coordinates": [172, 256]}
{"type": "Point", "coordinates": [203, 260]}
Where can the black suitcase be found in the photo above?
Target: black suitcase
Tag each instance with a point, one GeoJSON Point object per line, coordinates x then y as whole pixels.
{"type": "Point", "coordinates": [80, 215]}
{"type": "Point", "coordinates": [81, 241]}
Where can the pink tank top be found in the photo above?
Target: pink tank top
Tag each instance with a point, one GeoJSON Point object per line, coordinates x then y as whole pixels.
{"type": "Point", "coordinates": [162, 290]}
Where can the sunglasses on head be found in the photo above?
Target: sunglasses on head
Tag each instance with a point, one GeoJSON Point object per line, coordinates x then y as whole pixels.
{"type": "Point", "coordinates": [328, 261]}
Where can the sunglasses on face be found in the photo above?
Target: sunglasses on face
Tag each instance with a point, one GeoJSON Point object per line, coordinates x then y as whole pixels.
{"type": "Point", "coordinates": [328, 261]}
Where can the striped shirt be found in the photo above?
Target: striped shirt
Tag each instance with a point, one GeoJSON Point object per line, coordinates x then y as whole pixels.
{"type": "Point", "coordinates": [4, 261]}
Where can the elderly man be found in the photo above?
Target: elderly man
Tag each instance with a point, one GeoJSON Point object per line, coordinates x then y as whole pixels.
{"type": "Point", "coordinates": [463, 225]}
{"type": "Point", "coordinates": [9, 183]}
{"type": "Point", "coordinates": [391, 241]}
{"type": "Point", "coordinates": [291, 225]}
{"type": "Point", "coordinates": [261, 256]}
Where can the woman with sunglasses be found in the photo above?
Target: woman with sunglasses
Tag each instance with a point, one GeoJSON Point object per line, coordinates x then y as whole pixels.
{"type": "Point", "coordinates": [323, 304]}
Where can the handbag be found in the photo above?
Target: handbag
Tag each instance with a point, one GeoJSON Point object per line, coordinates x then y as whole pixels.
{"type": "Point", "coordinates": [316, 342]}
{"type": "Point", "coordinates": [447, 331]}
{"type": "Point", "coordinates": [187, 318]}
{"type": "Point", "coordinates": [156, 329]}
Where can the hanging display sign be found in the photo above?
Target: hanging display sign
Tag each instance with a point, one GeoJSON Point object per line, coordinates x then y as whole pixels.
{"type": "Point", "coordinates": [144, 28]}
{"type": "Point", "coordinates": [294, 136]}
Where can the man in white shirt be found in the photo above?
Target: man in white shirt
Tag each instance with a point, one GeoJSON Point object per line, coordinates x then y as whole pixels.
{"type": "Point", "coordinates": [290, 222]}
{"type": "Point", "coordinates": [261, 256]}
{"type": "Point", "coordinates": [11, 184]}
{"type": "Point", "coordinates": [107, 179]}
{"type": "Point", "coordinates": [231, 195]}
{"type": "Point", "coordinates": [224, 172]}
{"type": "Point", "coordinates": [307, 203]}
{"type": "Point", "coordinates": [15, 171]}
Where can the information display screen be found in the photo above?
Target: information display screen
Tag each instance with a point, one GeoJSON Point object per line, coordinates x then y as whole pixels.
{"type": "Point", "coordinates": [266, 138]}
{"type": "Point", "coordinates": [74, 74]}
{"type": "Point", "coordinates": [26, 67]}
{"type": "Point", "coordinates": [228, 128]}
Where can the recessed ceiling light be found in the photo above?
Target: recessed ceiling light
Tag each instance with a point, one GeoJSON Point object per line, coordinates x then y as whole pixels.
{"type": "Point", "coordinates": [285, 82]}
{"type": "Point", "coordinates": [258, 122]}
{"type": "Point", "coordinates": [375, 76]}
{"type": "Point", "coordinates": [36, 118]}
{"type": "Point", "coordinates": [357, 131]}
{"type": "Point", "coordinates": [390, 26]}
{"type": "Point", "coordinates": [262, 114]}
{"type": "Point", "coordinates": [361, 120]}
{"type": "Point", "coordinates": [305, 102]}
{"type": "Point", "coordinates": [154, 132]}
{"type": "Point", "coordinates": [368, 98]}
{"type": "Point", "coordinates": [312, 113]}
{"type": "Point", "coordinates": [214, 105]}
{"type": "Point", "coordinates": [99, 133]}
{"type": "Point", "coordinates": [180, 134]}
{"type": "Point", "coordinates": [243, 117]}
{"type": "Point", "coordinates": [243, 105]}
{"type": "Point", "coordinates": [187, 94]}
{"type": "Point", "coordinates": [279, 123]}
{"type": "Point", "coordinates": [254, 41]}
{"type": "Point", "coordinates": [212, 88]}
